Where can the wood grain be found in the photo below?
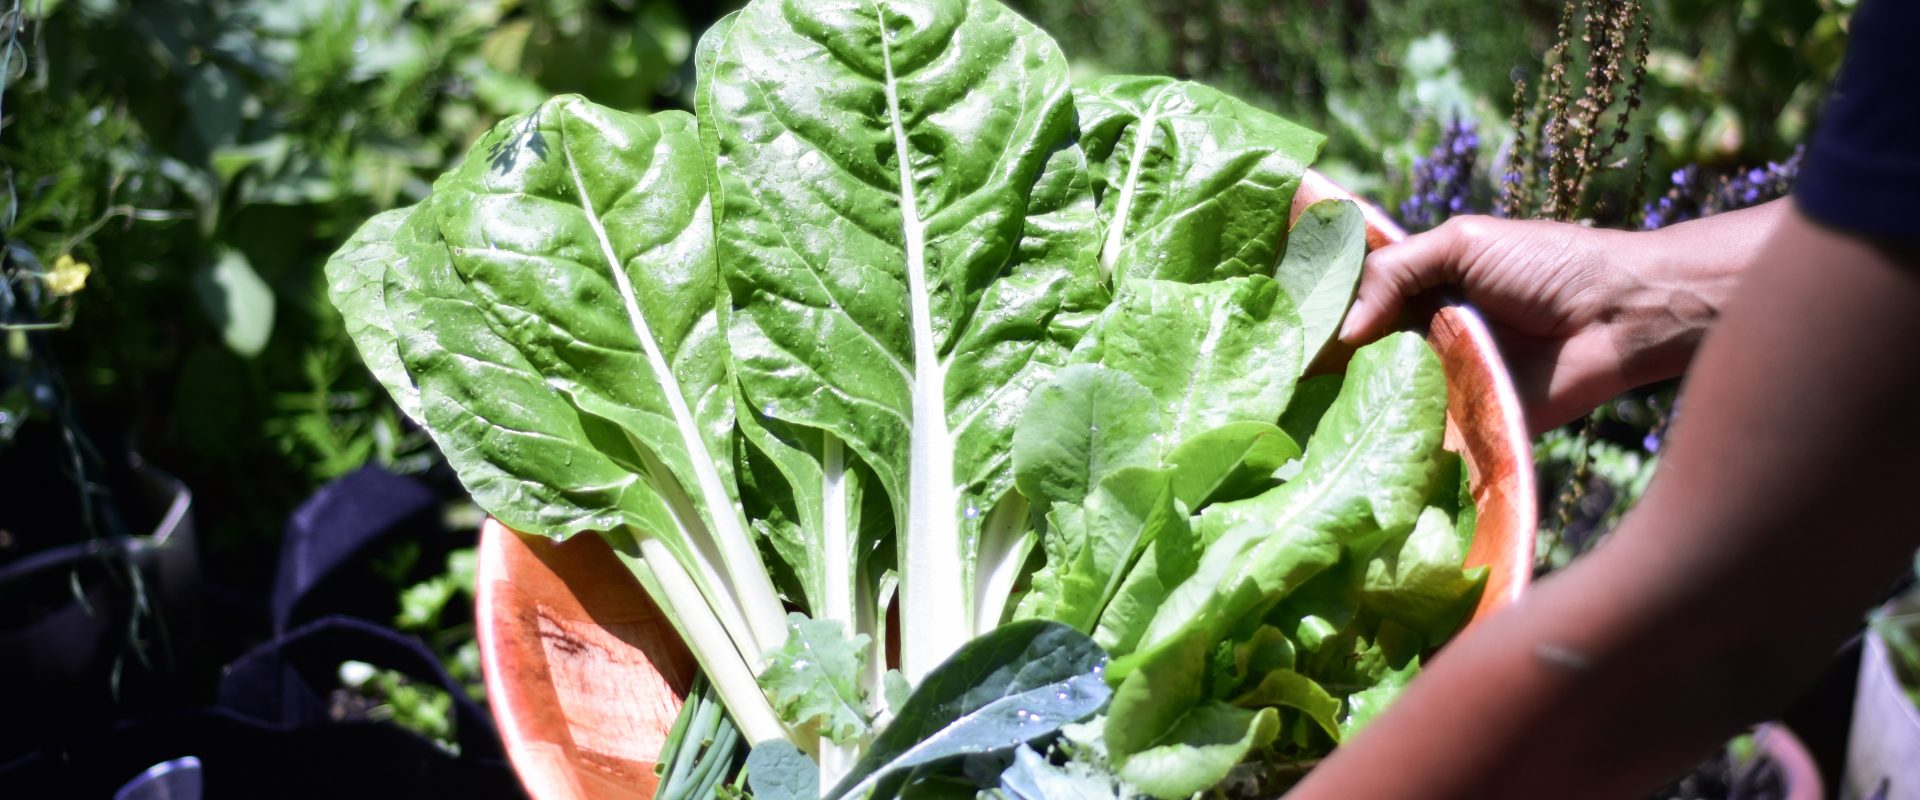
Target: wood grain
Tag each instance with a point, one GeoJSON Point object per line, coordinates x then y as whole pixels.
{"type": "Point", "coordinates": [585, 674]}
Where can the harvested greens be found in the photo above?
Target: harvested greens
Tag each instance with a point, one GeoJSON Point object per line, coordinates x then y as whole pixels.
{"type": "Point", "coordinates": [908, 320]}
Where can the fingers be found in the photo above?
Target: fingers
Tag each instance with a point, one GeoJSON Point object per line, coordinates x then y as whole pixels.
{"type": "Point", "coordinates": [1397, 272]}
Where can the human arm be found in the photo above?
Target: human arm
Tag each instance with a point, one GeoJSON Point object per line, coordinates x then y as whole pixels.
{"type": "Point", "coordinates": [1777, 518]}
{"type": "Point", "coordinates": [1582, 314]}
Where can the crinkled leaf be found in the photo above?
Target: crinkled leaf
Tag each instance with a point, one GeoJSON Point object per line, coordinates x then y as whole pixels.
{"type": "Point", "coordinates": [1193, 185]}
{"type": "Point", "coordinates": [903, 208]}
{"type": "Point", "coordinates": [1211, 353]}
{"type": "Point", "coordinates": [1321, 270]}
{"type": "Point", "coordinates": [776, 770]}
{"type": "Point", "coordinates": [500, 426]}
{"type": "Point", "coordinates": [357, 284]}
{"type": "Point", "coordinates": [815, 676]}
{"type": "Point", "coordinates": [1083, 425]}
{"type": "Point", "coordinates": [585, 238]}
{"type": "Point", "coordinates": [1015, 684]}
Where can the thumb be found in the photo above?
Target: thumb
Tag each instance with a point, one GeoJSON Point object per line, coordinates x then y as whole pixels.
{"type": "Point", "coordinates": [1394, 273]}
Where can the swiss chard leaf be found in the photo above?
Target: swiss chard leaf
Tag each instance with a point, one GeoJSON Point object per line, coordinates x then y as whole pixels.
{"type": "Point", "coordinates": [1193, 185]}
{"type": "Point", "coordinates": [902, 211]}
{"type": "Point", "coordinates": [1016, 684]}
{"type": "Point", "coordinates": [357, 284]}
{"type": "Point", "coordinates": [557, 419]}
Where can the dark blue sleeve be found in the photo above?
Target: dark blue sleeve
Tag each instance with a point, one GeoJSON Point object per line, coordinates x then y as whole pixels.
{"type": "Point", "coordinates": [1863, 167]}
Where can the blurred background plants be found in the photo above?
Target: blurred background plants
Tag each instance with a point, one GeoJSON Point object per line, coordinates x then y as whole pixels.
{"type": "Point", "coordinates": [177, 171]}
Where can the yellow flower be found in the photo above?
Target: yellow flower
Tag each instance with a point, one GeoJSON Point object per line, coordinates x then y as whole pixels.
{"type": "Point", "coordinates": [69, 275]}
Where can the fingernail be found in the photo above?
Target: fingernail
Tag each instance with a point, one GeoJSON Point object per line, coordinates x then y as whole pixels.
{"type": "Point", "coordinates": [1351, 327]}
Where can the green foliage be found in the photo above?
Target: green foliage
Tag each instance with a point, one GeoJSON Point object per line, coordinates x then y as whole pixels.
{"type": "Point", "coordinates": [814, 678]}
{"type": "Point", "coordinates": [203, 158]}
{"type": "Point", "coordinates": [1359, 548]}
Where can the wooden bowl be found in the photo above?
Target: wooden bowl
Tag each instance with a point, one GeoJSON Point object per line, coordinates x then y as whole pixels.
{"type": "Point", "coordinates": [585, 675]}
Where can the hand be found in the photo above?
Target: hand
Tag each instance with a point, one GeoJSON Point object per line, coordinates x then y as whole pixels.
{"type": "Point", "coordinates": [1581, 314]}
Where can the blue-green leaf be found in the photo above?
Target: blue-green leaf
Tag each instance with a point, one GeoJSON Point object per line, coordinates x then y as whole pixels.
{"type": "Point", "coordinates": [777, 770]}
{"type": "Point", "coordinates": [1018, 683]}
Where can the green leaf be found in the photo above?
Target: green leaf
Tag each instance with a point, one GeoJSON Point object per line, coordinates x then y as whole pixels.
{"type": "Point", "coordinates": [562, 330]}
{"type": "Point", "coordinates": [584, 237]}
{"type": "Point", "coordinates": [1371, 463]}
{"type": "Point", "coordinates": [1193, 185]}
{"type": "Point", "coordinates": [238, 302]}
{"type": "Point", "coordinates": [214, 99]}
{"type": "Point", "coordinates": [1211, 353]}
{"type": "Point", "coordinates": [777, 770]}
{"type": "Point", "coordinates": [1369, 468]}
{"type": "Point", "coordinates": [1311, 399]}
{"type": "Point", "coordinates": [1364, 705]}
{"type": "Point", "coordinates": [1172, 556]}
{"type": "Point", "coordinates": [357, 285]}
{"type": "Point", "coordinates": [815, 676]}
{"type": "Point", "coordinates": [1266, 650]}
{"type": "Point", "coordinates": [1200, 750]}
{"type": "Point", "coordinates": [902, 210]}
{"type": "Point", "coordinates": [1091, 548]}
{"type": "Point", "coordinates": [1230, 462]}
{"type": "Point", "coordinates": [1016, 684]}
{"type": "Point", "coordinates": [1418, 580]}
{"type": "Point", "coordinates": [1286, 688]}
{"type": "Point", "coordinates": [1150, 700]}
{"type": "Point", "coordinates": [1321, 270]}
{"type": "Point", "coordinates": [1083, 425]}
